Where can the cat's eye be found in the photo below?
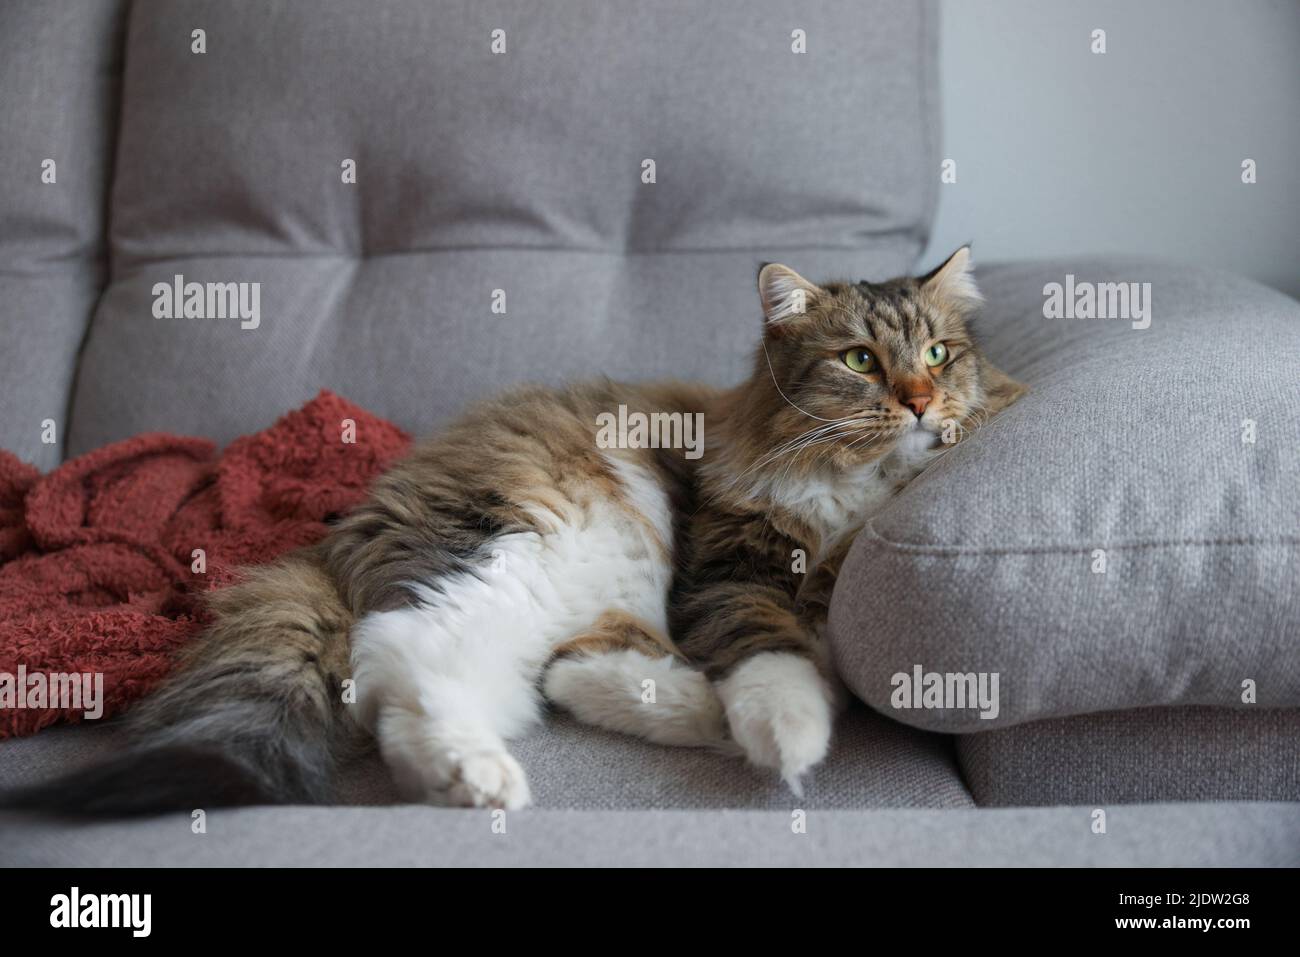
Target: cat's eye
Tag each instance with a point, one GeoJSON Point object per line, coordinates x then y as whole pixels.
{"type": "Point", "coordinates": [859, 360]}
{"type": "Point", "coordinates": [936, 355]}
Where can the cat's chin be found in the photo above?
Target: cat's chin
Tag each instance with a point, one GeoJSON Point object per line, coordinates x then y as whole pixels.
{"type": "Point", "coordinates": [919, 437]}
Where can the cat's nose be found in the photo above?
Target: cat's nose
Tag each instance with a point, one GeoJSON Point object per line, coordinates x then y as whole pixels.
{"type": "Point", "coordinates": [917, 403]}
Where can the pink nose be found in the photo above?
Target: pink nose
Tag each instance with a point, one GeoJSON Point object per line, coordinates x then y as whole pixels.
{"type": "Point", "coordinates": [917, 403]}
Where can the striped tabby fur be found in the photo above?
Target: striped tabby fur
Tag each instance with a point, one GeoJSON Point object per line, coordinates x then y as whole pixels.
{"type": "Point", "coordinates": [512, 560]}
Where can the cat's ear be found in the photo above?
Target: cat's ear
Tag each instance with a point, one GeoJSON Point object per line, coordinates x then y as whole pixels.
{"type": "Point", "coordinates": [785, 294]}
{"type": "Point", "coordinates": [953, 282]}
{"type": "Point", "coordinates": [1000, 390]}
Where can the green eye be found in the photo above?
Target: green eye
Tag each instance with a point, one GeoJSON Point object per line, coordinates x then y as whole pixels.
{"type": "Point", "coordinates": [936, 355]}
{"type": "Point", "coordinates": [859, 360]}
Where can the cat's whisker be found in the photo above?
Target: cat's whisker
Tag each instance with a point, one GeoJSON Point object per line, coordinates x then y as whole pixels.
{"type": "Point", "coordinates": [789, 447]}
{"type": "Point", "coordinates": [772, 372]}
{"type": "Point", "coordinates": [831, 439]}
{"type": "Point", "coordinates": [792, 445]}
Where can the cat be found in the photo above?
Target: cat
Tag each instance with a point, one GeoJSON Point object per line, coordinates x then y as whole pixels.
{"type": "Point", "coordinates": [513, 561]}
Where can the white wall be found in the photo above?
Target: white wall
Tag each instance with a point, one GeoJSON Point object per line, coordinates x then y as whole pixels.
{"type": "Point", "coordinates": [1063, 152]}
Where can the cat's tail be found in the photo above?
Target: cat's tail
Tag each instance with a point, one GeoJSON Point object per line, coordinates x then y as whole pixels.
{"type": "Point", "coordinates": [255, 713]}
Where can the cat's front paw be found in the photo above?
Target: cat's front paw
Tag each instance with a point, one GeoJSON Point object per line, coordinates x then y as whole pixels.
{"type": "Point", "coordinates": [780, 711]}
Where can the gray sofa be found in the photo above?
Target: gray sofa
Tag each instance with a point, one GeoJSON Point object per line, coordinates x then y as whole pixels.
{"type": "Point", "coordinates": [524, 171]}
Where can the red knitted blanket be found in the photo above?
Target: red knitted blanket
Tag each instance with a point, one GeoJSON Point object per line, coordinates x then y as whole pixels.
{"type": "Point", "coordinates": [103, 560]}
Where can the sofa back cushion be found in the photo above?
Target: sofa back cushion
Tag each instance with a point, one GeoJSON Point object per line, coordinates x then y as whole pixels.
{"type": "Point", "coordinates": [502, 225]}
{"type": "Point", "coordinates": [60, 65]}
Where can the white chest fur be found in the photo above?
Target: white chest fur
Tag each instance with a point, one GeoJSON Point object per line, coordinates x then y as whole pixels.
{"type": "Point", "coordinates": [837, 502]}
{"type": "Point", "coordinates": [914, 451]}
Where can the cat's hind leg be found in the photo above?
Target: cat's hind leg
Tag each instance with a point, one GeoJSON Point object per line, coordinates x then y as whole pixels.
{"type": "Point", "coordinates": [444, 681]}
{"type": "Point", "coordinates": [442, 701]}
{"type": "Point", "coordinates": [623, 675]}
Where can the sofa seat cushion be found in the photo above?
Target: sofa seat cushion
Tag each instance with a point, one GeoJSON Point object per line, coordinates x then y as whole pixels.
{"type": "Point", "coordinates": [874, 762]}
{"type": "Point", "coordinates": [1126, 535]}
{"type": "Point", "coordinates": [1145, 755]}
{"type": "Point", "coordinates": [1177, 835]}
{"type": "Point", "coordinates": [521, 170]}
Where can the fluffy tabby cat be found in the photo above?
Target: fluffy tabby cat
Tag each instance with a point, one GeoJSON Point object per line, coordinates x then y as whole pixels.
{"type": "Point", "coordinates": [512, 560]}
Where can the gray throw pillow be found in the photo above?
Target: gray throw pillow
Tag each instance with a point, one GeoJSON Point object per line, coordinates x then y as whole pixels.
{"type": "Point", "coordinates": [1126, 535]}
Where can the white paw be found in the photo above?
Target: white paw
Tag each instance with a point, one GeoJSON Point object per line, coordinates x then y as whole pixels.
{"type": "Point", "coordinates": [443, 763]}
{"type": "Point", "coordinates": [489, 779]}
{"type": "Point", "coordinates": [780, 712]}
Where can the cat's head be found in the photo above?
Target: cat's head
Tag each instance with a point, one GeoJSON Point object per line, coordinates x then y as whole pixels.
{"type": "Point", "coordinates": [858, 367]}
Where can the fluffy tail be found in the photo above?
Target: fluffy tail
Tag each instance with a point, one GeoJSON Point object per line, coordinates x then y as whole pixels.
{"type": "Point", "coordinates": [253, 715]}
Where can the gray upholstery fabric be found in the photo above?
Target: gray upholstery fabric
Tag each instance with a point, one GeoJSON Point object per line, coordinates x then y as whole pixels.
{"type": "Point", "coordinates": [522, 172]}
{"type": "Point", "coordinates": [519, 171]}
{"type": "Point", "coordinates": [1152, 754]}
{"type": "Point", "coordinates": [1179, 835]}
{"type": "Point", "coordinates": [874, 763]}
{"type": "Point", "coordinates": [1130, 441]}
{"type": "Point", "coordinates": [59, 77]}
